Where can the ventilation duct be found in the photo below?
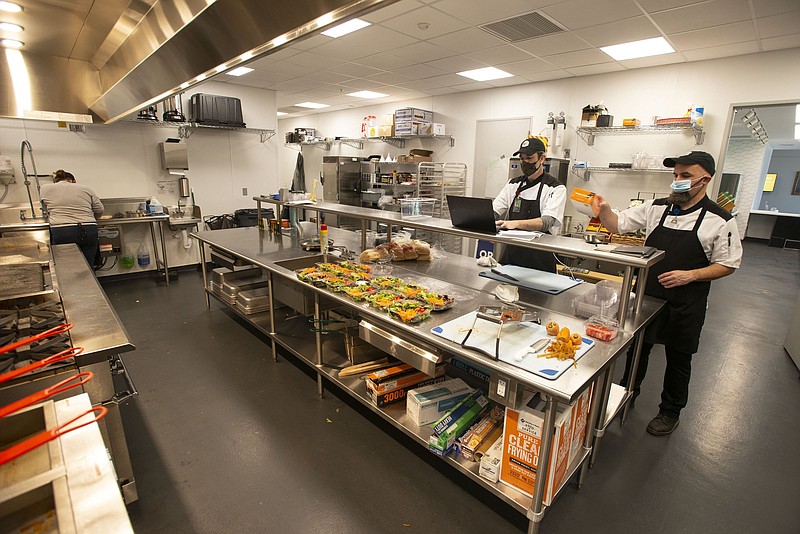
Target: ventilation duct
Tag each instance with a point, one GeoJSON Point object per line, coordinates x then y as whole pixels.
{"type": "Point", "coordinates": [522, 27]}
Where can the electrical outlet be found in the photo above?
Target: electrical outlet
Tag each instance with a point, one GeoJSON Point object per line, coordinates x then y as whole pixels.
{"type": "Point", "coordinates": [244, 191]}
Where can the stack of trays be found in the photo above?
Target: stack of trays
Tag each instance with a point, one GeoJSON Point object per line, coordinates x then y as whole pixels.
{"type": "Point", "coordinates": [221, 275]}
{"type": "Point", "coordinates": [230, 289]}
{"type": "Point", "coordinates": [253, 300]}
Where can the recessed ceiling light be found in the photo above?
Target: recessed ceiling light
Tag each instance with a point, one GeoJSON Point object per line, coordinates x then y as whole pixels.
{"type": "Point", "coordinates": [345, 28]}
{"type": "Point", "coordinates": [239, 71]}
{"type": "Point", "coordinates": [11, 43]}
{"type": "Point", "coordinates": [9, 27]}
{"type": "Point", "coordinates": [367, 94]}
{"type": "Point", "coordinates": [485, 74]}
{"type": "Point", "coordinates": [637, 49]}
{"type": "Point", "coordinates": [312, 105]}
{"type": "Point", "coordinates": [10, 7]}
{"type": "Point", "coordinates": [282, 113]}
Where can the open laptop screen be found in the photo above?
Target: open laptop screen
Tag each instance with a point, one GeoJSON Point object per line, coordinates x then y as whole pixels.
{"type": "Point", "coordinates": [471, 213]}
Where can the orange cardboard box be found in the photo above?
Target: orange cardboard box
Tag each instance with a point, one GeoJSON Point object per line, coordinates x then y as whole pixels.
{"type": "Point", "coordinates": [580, 415]}
{"type": "Point", "coordinates": [522, 441]}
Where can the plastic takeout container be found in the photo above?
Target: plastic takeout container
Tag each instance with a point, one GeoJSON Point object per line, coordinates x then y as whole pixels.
{"type": "Point", "coordinates": [602, 328]}
{"type": "Point", "coordinates": [416, 208]}
{"type": "Point", "coordinates": [603, 299]}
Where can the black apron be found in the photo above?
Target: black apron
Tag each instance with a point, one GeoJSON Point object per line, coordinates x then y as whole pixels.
{"type": "Point", "coordinates": [529, 209]}
{"type": "Point", "coordinates": [681, 321]}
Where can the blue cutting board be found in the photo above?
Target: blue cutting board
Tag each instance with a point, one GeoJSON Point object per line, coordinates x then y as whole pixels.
{"type": "Point", "coordinates": [515, 342]}
{"type": "Point", "coordinates": [533, 279]}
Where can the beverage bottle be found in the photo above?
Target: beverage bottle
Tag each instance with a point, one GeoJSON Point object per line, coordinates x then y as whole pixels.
{"type": "Point", "coordinates": [323, 238]}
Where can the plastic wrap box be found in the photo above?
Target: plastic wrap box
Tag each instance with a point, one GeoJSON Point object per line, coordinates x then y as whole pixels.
{"type": "Point", "coordinates": [522, 440]}
{"type": "Point", "coordinates": [491, 461]}
{"type": "Point", "coordinates": [453, 425]}
{"type": "Point", "coordinates": [428, 404]}
{"type": "Point", "coordinates": [413, 114]}
{"type": "Point", "coordinates": [480, 431]}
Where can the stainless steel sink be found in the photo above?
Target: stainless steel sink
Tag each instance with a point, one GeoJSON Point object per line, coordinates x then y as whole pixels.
{"type": "Point", "coordinates": [296, 294]}
{"type": "Point", "coordinates": [300, 263]}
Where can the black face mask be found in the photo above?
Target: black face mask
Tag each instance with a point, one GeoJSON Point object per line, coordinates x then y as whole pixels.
{"type": "Point", "coordinates": [529, 169]}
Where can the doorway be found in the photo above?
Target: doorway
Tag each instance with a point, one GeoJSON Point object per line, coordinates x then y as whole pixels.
{"type": "Point", "coordinates": [495, 141]}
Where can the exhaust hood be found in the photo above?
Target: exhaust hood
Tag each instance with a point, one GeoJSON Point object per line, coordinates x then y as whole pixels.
{"type": "Point", "coordinates": [164, 48]}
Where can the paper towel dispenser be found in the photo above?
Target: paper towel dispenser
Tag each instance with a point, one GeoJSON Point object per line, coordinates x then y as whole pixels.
{"type": "Point", "coordinates": [174, 156]}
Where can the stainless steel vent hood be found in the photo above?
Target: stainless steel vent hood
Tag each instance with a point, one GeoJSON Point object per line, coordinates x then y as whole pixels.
{"type": "Point", "coordinates": [155, 48]}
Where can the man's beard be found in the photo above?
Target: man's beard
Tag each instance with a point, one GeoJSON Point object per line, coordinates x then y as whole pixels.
{"type": "Point", "coordinates": [679, 198]}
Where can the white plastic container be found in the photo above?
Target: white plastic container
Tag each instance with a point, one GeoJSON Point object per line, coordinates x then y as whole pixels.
{"type": "Point", "coordinates": [414, 209]}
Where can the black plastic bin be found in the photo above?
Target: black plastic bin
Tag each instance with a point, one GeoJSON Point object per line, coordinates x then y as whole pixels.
{"type": "Point", "coordinates": [249, 217]}
{"type": "Point", "coordinates": [218, 222]}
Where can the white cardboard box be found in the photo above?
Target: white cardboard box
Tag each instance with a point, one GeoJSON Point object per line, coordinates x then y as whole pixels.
{"type": "Point", "coordinates": [428, 404]}
{"type": "Point", "coordinates": [491, 461]}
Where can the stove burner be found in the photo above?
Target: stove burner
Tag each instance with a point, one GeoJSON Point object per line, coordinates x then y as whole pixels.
{"type": "Point", "coordinates": [20, 323]}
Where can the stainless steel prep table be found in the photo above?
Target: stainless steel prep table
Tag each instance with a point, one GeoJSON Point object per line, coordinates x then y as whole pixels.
{"type": "Point", "coordinates": [267, 250]}
{"type": "Point", "coordinates": [154, 223]}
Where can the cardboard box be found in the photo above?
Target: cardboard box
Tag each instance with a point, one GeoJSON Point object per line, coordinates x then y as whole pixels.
{"type": "Point", "coordinates": [471, 369]}
{"type": "Point", "coordinates": [398, 394]}
{"type": "Point", "coordinates": [522, 440]}
{"type": "Point", "coordinates": [428, 404]}
{"type": "Point", "coordinates": [386, 130]}
{"type": "Point", "coordinates": [386, 119]}
{"type": "Point", "coordinates": [491, 461]}
{"type": "Point", "coordinates": [398, 377]}
{"type": "Point", "coordinates": [480, 431]}
{"type": "Point", "coordinates": [403, 127]}
{"type": "Point", "coordinates": [413, 114]}
{"type": "Point", "coordinates": [580, 415]}
{"type": "Point", "coordinates": [431, 128]}
{"type": "Point", "coordinates": [447, 429]}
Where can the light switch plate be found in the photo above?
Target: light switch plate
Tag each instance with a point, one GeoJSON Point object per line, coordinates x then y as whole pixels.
{"type": "Point", "coordinates": [244, 191]}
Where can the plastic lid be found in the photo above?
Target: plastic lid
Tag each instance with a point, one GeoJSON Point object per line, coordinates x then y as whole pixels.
{"type": "Point", "coordinates": [323, 227]}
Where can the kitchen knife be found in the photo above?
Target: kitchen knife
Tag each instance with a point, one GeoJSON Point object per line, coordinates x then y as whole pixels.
{"type": "Point", "coordinates": [504, 275]}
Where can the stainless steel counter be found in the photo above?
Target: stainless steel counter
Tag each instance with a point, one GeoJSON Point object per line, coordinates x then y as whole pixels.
{"type": "Point", "coordinates": [154, 222]}
{"type": "Point", "coordinates": [266, 250]}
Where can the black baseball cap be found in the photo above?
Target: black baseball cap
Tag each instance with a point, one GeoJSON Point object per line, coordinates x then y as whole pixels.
{"type": "Point", "coordinates": [704, 159]}
{"type": "Point", "coordinates": [530, 147]}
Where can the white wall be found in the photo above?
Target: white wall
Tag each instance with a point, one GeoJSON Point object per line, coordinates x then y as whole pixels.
{"type": "Point", "coordinates": [123, 160]}
{"type": "Point", "coordinates": [666, 91]}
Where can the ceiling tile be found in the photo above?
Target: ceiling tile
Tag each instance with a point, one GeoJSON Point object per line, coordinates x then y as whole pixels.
{"type": "Point", "coordinates": [478, 13]}
{"type": "Point", "coordinates": [422, 51]}
{"type": "Point", "coordinates": [721, 35]}
{"type": "Point", "coordinates": [377, 38]}
{"type": "Point", "coordinates": [391, 11]}
{"type": "Point", "coordinates": [434, 82]}
{"type": "Point", "coordinates": [415, 72]}
{"type": "Point", "coordinates": [251, 82]}
{"type": "Point", "coordinates": [779, 43]}
{"type": "Point", "coordinates": [528, 66]}
{"type": "Point", "coordinates": [328, 76]}
{"type": "Point", "coordinates": [654, 6]}
{"type": "Point", "coordinates": [556, 74]}
{"type": "Point", "coordinates": [313, 61]}
{"type": "Point", "coordinates": [284, 67]}
{"type": "Point", "coordinates": [553, 44]}
{"type": "Point", "coordinates": [310, 42]}
{"type": "Point", "coordinates": [440, 91]}
{"type": "Point", "coordinates": [703, 15]}
{"type": "Point", "coordinates": [777, 25]}
{"type": "Point", "coordinates": [475, 86]}
{"type": "Point", "coordinates": [765, 8]}
{"type": "Point", "coordinates": [578, 59]}
{"type": "Point", "coordinates": [356, 70]}
{"type": "Point", "coordinates": [505, 82]}
{"type": "Point", "coordinates": [295, 85]}
{"type": "Point", "coordinates": [456, 64]}
{"type": "Point", "coordinates": [499, 54]}
{"type": "Point", "coordinates": [344, 50]}
{"type": "Point", "coordinates": [602, 68]}
{"type": "Point", "coordinates": [283, 53]}
{"type": "Point", "coordinates": [654, 61]}
{"type": "Point", "coordinates": [385, 61]}
{"type": "Point", "coordinates": [621, 31]}
{"type": "Point", "coordinates": [438, 23]}
{"type": "Point", "coordinates": [727, 50]}
{"type": "Point", "coordinates": [467, 40]}
{"type": "Point", "coordinates": [267, 75]}
{"type": "Point", "coordinates": [582, 13]}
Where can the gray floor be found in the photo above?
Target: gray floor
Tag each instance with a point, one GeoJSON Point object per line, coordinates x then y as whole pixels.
{"type": "Point", "coordinates": [224, 440]}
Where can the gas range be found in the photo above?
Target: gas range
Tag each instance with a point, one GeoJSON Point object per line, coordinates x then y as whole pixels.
{"type": "Point", "coordinates": [20, 323]}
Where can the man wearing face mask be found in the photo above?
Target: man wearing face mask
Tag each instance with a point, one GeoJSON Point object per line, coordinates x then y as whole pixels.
{"type": "Point", "coordinates": [702, 244]}
{"type": "Point", "coordinates": [533, 202]}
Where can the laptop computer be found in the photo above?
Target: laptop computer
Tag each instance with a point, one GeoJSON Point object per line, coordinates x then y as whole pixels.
{"type": "Point", "coordinates": [471, 213]}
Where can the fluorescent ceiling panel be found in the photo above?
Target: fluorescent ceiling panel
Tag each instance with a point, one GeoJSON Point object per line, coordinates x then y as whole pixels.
{"type": "Point", "coordinates": [636, 49]}
{"type": "Point", "coordinates": [240, 71]}
{"type": "Point", "coordinates": [367, 94]}
{"type": "Point", "coordinates": [348, 27]}
{"type": "Point", "coordinates": [484, 74]}
{"type": "Point", "coordinates": [311, 105]}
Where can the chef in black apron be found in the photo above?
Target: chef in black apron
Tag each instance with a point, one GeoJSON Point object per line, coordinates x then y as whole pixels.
{"type": "Point", "coordinates": [534, 202]}
{"type": "Point", "coordinates": [701, 243]}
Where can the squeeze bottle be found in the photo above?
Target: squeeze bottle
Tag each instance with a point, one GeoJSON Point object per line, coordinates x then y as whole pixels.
{"type": "Point", "coordinates": [323, 238]}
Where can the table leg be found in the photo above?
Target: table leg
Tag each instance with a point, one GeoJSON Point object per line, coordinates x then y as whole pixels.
{"type": "Point", "coordinates": [631, 377]}
{"type": "Point", "coordinates": [318, 339]}
{"type": "Point", "coordinates": [204, 269]}
{"type": "Point", "coordinates": [164, 255]}
{"type": "Point", "coordinates": [602, 405]}
{"type": "Point", "coordinates": [155, 226]}
{"type": "Point", "coordinates": [536, 513]}
{"type": "Point", "coordinates": [591, 423]}
{"type": "Point", "coordinates": [270, 280]}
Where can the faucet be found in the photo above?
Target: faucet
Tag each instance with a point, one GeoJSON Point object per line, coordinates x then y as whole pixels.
{"type": "Point", "coordinates": [179, 211]}
{"type": "Point", "coordinates": [579, 228]}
